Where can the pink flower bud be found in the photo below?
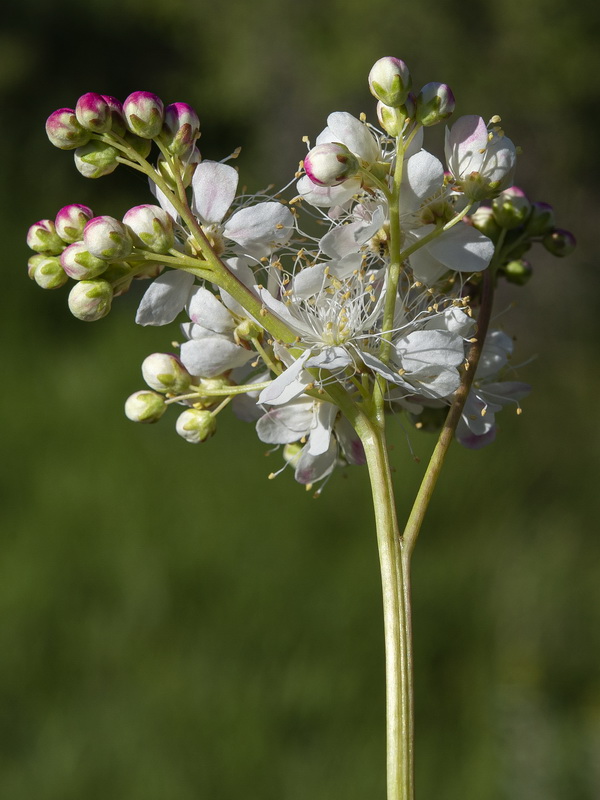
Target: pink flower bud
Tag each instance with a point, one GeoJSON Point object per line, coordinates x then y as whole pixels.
{"type": "Point", "coordinates": [559, 242]}
{"type": "Point", "coordinates": [181, 128]}
{"type": "Point", "coordinates": [90, 300]}
{"type": "Point", "coordinates": [330, 164]}
{"type": "Point", "coordinates": [144, 114]}
{"type": "Point", "coordinates": [96, 159]}
{"type": "Point", "coordinates": [71, 220]}
{"type": "Point", "coordinates": [43, 238]}
{"type": "Point", "coordinates": [541, 220]}
{"type": "Point", "coordinates": [435, 102]}
{"type": "Point", "coordinates": [107, 238]}
{"type": "Point", "coordinates": [93, 113]}
{"type": "Point", "coordinates": [116, 115]}
{"type": "Point", "coordinates": [390, 81]}
{"type": "Point", "coordinates": [80, 264]}
{"type": "Point", "coordinates": [64, 130]}
{"type": "Point", "coordinates": [152, 228]}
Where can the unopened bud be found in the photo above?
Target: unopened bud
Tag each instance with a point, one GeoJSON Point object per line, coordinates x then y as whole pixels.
{"type": "Point", "coordinates": [390, 81]}
{"type": "Point", "coordinates": [247, 329]}
{"type": "Point", "coordinates": [541, 219]}
{"type": "Point", "coordinates": [517, 271]}
{"type": "Point", "coordinates": [43, 238]}
{"type": "Point", "coordinates": [435, 102]}
{"type": "Point", "coordinates": [559, 242]}
{"type": "Point", "coordinates": [117, 120]}
{"type": "Point", "coordinates": [330, 164]}
{"type": "Point", "coordinates": [144, 114]}
{"type": "Point", "coordinates": [145, 406]}
{"type": "Point", "coordinates": [71, 220]}
{"type": "Point", "coordinates": [511, 208]}
{"type": "Point", "coordinates": [90, 300]}
{"type": "Point", "coordinates": [165, 373]}
{"type": "Point", "coordinates": [64, 130]}
{"type": "Point", "coordinates": [181, 128]}
{"type": "Point", "coordinates": [151, 227]}
{"type": "Point", "coordinates": [189, 164]}
{"type": "Point", "coordinates": [93, 113]}
{"type": "Point", "coordinates": [80, 264]}
{"type": "Point", "coordinates": [96, 159]}
{"type": "Point", "coordinates": [107, 238]}
{"type": "Point", "coordinates": [141, 146]}
{"type": "Point", "coordinates": [196, 425]}
{"type": "Point", "coordinates": [48, 273]}
{"type": "Point", "coordinates": [483, 219]}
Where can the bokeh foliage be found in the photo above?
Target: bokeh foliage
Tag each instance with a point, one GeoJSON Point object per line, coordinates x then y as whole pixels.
{"type": "Point", "coordinates": [175, 626]}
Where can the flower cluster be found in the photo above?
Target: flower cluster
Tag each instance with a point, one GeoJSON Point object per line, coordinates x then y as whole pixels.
{"type": "Point", "coordinates": [362, 293]}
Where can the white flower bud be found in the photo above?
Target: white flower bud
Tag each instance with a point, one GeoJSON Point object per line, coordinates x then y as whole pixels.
{"type": "Point", "coordinates": [71, 220]}
{"type": "Point", "coordinates": [96, 159]}
{"type": "Point", "coordinates": [48, 273]}
{"type": "Point", "coordinates": [107, 238]}
{"type": "Point", "coordinates": [43, 238]}
{"type": "Point", "coordinates": [330, 164]}
{"type": "Point", "coordinates": [152, 228]}
{"type": "Point", "coordinates": [90, 300]}
{"type": "Point", "coordinates": [80, 264]}
{"type": "Point", "coordinates": [144, 406]}
{"type": "Point", "coordinates": [195, 425]}
{"type": "Point", "coordinates": [389, 81]}
{"type": "Point", "coordinates": [165, 373]}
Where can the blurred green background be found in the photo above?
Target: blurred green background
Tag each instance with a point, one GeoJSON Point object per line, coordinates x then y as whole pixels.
{"type": "Point", "coordinates": [175, 626]}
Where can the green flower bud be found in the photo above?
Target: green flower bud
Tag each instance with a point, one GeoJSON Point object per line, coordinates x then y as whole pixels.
{"type": "Point", "coordinates": [390, 81]}
{"type": "Point", "coordinates": [90, 300]}
{"type": "Point", "coordinates": [145, 406]}
{"type": "Point", "coordinates": [43, 238]}
{"type": "Point", "coordinates": [483, 219]}
{"type": "Point", "coordinates": [541, 219]}
{"type": "Point", "coordinates": [196, 425]}
{"type": "Point", "coordinates": [511, 208]}
{"type": "Point", "coordinates": [141, 146]}
{"type": "Point", "coordinates": [96, 159]}
{"type": "Point", "coordinates": [292, 453]}
{"type": "Point", "coordinates": [247, 329]}
{"type": "Point", "coordinates": [517, 271]}
{"type": "Point", "coordinates": [165, 373]}
{"type": "Point", "coordinates": [559, 242]}
{"type": "Point", "coordinates": [48, 273]}
{"type": "Point", "coordinates": [435, 102]}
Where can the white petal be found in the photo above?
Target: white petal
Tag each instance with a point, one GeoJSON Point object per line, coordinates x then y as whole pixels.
{"type": "Point", "coordinates": [382, 369]}
{"type": "Point", "coordinates": [327, 196]}
{"type": "Point", "coordinates": [319, 440]}
{"type": "Point", "coordinates": [239, 267]}
{"type": "Point", "coordinates": [214, 186]}
{"type": "Point", "coordinates": [423, 349]}
{"type": "Point", "coordinates": [165, 298]}
{"type": "Point", "coordinates": [465, 141]}
{"type": "Point", "coordinates": [289, 385]}
{"type": "Point", "coordinates": [423, 178]}
{"type": "Point", "coordinates": [282, 311]}
{"type": "Point", "coordinates": [212, 356]}
{"type": "Point", "coordinates": [462, 248]}
{"type": "Point", "coordinates": [330, 358]}
{"type": "Point", "coordinates": [206, 310]}
{"type": "Point", "coordinates": [312, 468]}
{"type": "Point", "coordinates": [496, 350]}
{"type": "Point", "coordinates": [266, 225]}
{"type": "Point", "coordinates": [286, 424]}
{"type": "Point", "coordinates": [354, 134]}
{"type": "Point", "coordinates": [163, 200]}
{"type": "Point", "coordinates": [308, 282]}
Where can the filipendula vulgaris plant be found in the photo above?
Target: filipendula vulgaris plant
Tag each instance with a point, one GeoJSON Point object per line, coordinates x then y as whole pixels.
{"type": "Point", "coordinates": [316, 339]}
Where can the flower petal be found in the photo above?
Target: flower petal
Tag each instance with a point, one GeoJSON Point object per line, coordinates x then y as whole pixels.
{"type": "Point", "coordinates": [206, 310]}
{"type": "Point", "coordinates": [462, 248]}
{"type": "Point", "coordinates": [354, 134]}
{"type": "Point", "coordinates": [165, 298]}
{"type": "Point", "coordinates": [286, 424]}
{"type": "Point", "coordinates": [212, 356]}
{"type": "Point", "coordinates": [327, 196]}
{"type": "Point", "coordinates": [262, 227]}
{"type": "Point", "coordinates": [311, 468]}
{"type": "Point", "coordinates": [289, 385]}
{"type": "Point", "coordinates": [214, 186]}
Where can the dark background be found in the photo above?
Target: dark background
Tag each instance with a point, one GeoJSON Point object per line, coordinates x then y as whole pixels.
{"type": "Point", "coordinates": [175, 626]}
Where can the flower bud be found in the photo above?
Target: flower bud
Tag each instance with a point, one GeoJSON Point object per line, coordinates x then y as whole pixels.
{"type": "Point", "coordinates": [64, 130]}
{"type": "Point", "coordinates": [330, 164]}
{"type": "Point", "coordinates": [34, 262]}
{"type": "Point", "coordinates": [292, 453]}
{"type": "Point", "coordinates": [141, 146]}
{"type": "Point", "coordinates": [48, 273]}
{"type": "Point", "coordinates": [144, 114]}
{"type": "Point", "coordinates": [559, 242]}
{"type": "Point", "coordinates": [93, 113]}
{"type": "Point", "coordinates": [152, 228]}
{"type": "Point", "coordinates": [483, 219]}
{"type": "Point", "coordinates": [165, 373]}
{"type": "Point", "coordinates": [181, 128]}
{"type": "Point", "coordinates": [196, 425]}
{"type": "Point", "coordinates": [120, 275]}
{"type": "Point", "coordinates": [435, 102]}
{"type": "Point", "coordinates": [247, 329]}
{"type": "Point", "coordinates": [43, 238]}
{"type": "Point", "coordinates": [117, 120]}
{"type": "Point", "coordinates": [80, 264]}
{"type": "Point", "coordinates": [71, 220]}
{"type": "Point", "coordinates": [390, 81]}
{"type": "Point", "coordinates": [189, 162]}
{"type": "Point", "coordinates": [145, 406]}
{"type": "Point", "coordinates": [90, 300]}
{"type": "Point", "coordinates": [96, 159]}
{"type": "Point", "coordinates": [107, 238]}
{"type": "Point", "coordinates": [517, 271]}
{"type": "Point", "coordinates": [511, 208]}
{"type": "Point", "coordinates": [541, 219]}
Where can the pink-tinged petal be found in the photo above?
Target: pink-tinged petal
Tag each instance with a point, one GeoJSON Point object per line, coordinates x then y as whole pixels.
{"type": "Point", "coordinates": [472, 417]}
{"type": "Point", "coordinates": [354, 134]}
{"type": "Point", "coordinates": [327, 196]}
{"type": "Point", "coordinates": [262, 227]}
{"type": "Point", "coordinates": [212, 356]}
{"type": "Point", "coordinates": [206, 310]}
{"type": "Point", "coordinates": [311, 468]}
{"type": "Point", "coordinates": [462, 248]}
{"type": "Point", "coordinates": [214, 186]}
{"type": "Point", "coordinates": [495, 354]}
{"type": "Point", "coordinates": [319, 440]}
{"type": "Point", "coordinates": [286, 424]}
{"type": "Point", "coordinates": [473, 441]}
{"type": "Point", "coordinates": [289, 385]}
{"type": "Point", "coordinates": [465, 141]}
{"type": "Point", "coordinates": [165, 298]}
{"type": "Point", "coordinates": [349, 441]}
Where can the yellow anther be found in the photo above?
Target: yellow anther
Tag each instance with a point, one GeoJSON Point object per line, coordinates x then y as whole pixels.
{"type": "Point", "coordinates": [519, 410]}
